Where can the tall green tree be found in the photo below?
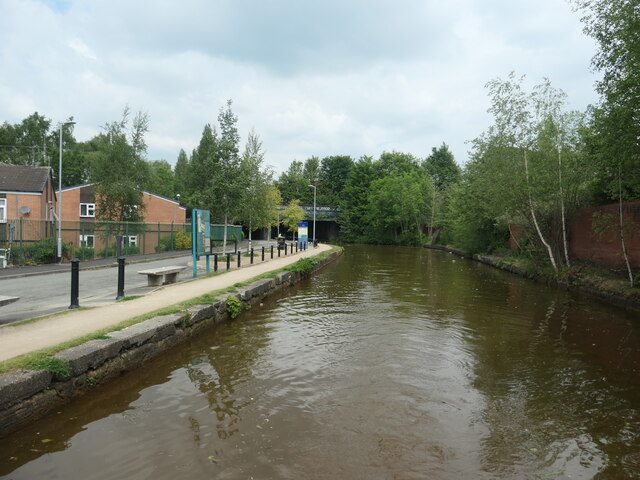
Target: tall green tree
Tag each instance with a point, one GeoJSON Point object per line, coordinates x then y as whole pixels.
{"type": "Point", "coordinates": [292, 183]}
{"type": "Point", "coordinates": [311, 170]}
{"type": "Point", "coordinates": [399, 206]}
{"type": "Point", "coordinates": [334, 172]}
{"type": "Point", "coordinates": [615, 121]}
{"type": "Point", "coordinates": [118, 169]}
{"type": "Point", "coordinates": [181, 176]}
{"type": "Point", "coordinates": [256, 203]}
{"type": "Point", "coordinates": [227, 183]}
{"type": "Point", "coordinates": [160, 178]}
{"type": "Point", "coordinates": [443, 172]}
{"type": "Point", "coordinates": [354, 208]}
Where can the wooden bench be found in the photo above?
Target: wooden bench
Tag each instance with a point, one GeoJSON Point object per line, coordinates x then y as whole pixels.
{"type": "Point", "coordinates": [5, 300]}
{"type": "Point", "coordinates": [162, 275]}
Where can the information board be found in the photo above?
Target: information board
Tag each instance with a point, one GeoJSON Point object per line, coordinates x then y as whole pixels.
{"type": "Point", "coordinates": [303, 235]}
{"type": "Point", "coordinates": [203, 231]}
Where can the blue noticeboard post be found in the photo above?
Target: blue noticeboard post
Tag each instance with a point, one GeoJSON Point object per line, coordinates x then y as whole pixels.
{"type": "Point", "coordinates": [303, 235]}
{"type": "Point", "coordinates": [201, 237]}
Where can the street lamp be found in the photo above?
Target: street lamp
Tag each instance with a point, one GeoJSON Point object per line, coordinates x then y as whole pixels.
{"type": "Point", "coordinates": [314, 213]}
{"type": "Point", "coordinates": [62, 125]}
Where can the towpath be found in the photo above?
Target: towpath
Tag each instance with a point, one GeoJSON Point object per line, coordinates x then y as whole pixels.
{"type": "Point", "coordinates": [22, 338]}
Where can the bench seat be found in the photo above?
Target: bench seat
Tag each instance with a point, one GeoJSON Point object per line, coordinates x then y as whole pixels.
{"type": "Point", "coordinates": [5, 300]}
{"type": "Point", "coordinates": [162, 275]}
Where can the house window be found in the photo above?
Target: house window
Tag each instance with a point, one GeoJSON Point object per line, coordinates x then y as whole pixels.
{"type": "Point", "coordinates": [87, 241]}
{"type": "Point", "coordinates": [3, 210]}
{"type": "Point", "coordinates": [87, 209]}
{"type": "Point", "coordinates": [131, 240]}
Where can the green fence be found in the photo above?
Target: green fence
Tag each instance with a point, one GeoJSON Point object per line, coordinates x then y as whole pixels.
{"type": "Point", "coordinates": [30, 242]}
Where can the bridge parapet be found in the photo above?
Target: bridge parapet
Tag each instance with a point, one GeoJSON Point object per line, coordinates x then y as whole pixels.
{"type": "Point", "coordinates": [324, 213]}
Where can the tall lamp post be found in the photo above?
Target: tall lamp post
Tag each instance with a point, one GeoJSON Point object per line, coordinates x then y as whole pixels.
{"type": "Point", "coordinates": [62, 125]}
{"type": "Point", "coordinates": [314, 214]}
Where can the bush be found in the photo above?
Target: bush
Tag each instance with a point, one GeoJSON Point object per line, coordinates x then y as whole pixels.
{"type": "Point", "coordinates": [234, 306]}
{"type": "Point", "coordinates": [44, 251]}
{"type": "Point", "coordinates": [183, 241]}
{"type": "Point", "coordinates": [130, 250]}
{"type": "Point", "coordinates": [167, 243]}
{"type": "Point", "coordinates": [107, 252]}
{"type": "Point", "coordinates": [85, 253]}
{"type": "Point", "coordinates": [304, 266]}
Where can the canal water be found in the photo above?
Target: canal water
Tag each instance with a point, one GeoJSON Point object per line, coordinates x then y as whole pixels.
{"type": "Point", "coordinates": [392, 363]}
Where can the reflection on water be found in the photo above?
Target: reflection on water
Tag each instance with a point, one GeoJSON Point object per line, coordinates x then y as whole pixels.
{"type": "Point", "coordinates": [393, 363]}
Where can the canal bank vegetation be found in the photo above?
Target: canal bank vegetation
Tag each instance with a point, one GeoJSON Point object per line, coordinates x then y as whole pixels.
{"type": "Point", "coordinates": [531, 174]}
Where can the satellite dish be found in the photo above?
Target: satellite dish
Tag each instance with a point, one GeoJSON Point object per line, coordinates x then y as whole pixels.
{"type": "Point", "coordinates": [24, 210]}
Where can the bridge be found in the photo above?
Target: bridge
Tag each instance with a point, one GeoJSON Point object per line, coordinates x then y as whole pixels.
{"type": "Point", "coordinates": [327, 217]}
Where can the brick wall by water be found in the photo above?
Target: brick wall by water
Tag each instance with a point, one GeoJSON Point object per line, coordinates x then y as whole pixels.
{"type": "Point", "coordinates": [595, 234]}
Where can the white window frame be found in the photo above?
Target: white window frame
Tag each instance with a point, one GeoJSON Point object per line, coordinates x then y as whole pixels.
{"type": "Point", "coordinates": [130, 240]}
{"type": "Point", "coordinates": [3, 210]}
{"type": "Point", "coordinates": [90, 210]}
{"type": "Point", "coordinates": [86, 239]}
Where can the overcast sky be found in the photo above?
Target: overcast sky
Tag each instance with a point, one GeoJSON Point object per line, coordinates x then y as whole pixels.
{"type": "Point", "coordinates": [311, 77]}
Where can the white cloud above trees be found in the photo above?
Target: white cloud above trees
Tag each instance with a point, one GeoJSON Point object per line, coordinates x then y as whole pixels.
{"type": "Point", "coordinates": [312, 78]}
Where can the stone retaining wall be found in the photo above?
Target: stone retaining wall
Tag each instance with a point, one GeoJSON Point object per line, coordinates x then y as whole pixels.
{"type": "Point", "coordinates": [26, 395]}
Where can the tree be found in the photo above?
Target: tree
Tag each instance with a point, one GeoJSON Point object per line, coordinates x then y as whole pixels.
{"type": "Point", "coordinates": [293, 215]}
{"type": "Point", "coordinates": [334, 172]}
{"type": "Point", "coordinates": [31, 142]}
{"type": "Point", "coordinates": [160, 178]}
{"type": "Point", "coordinates": [311, 171]}
{"type": "Point", "coordinates": [292, 183]}
{"type": "Point", "coordinates": [441, 168]}
{"type": "Point", "coordinates": [615, 122]}
{"type": "Point", "coordinates": [399, 206]}
{"type": "Point", "coordinates": [227, 183]}
{"type": "Point", "coordinates": [443, 172]}
{"type": "Point", "coordinates": [354, 208]}
{"type": "Point", "coordinates": [118, 169]}
{"type": "Point", "coordinates": [513, 136]}
{"type": "Point", "coordinates": [256, 202]}
{"type": "Point", "coordinates": [181, 176]}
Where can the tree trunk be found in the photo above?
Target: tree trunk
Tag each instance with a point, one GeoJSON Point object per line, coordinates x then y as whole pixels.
{"type": "Point", "coordinates": [535, 219]}
{"type": "Point", "coordinates": [564, 222]}
{"type": "Point", "coordinates": [433, 214]}
{"type": "Point", "coordinates": [624, 248]}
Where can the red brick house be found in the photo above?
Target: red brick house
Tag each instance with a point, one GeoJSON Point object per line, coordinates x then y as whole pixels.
{"type": "Point", "coordinates": [26, 192]}
{"type": "Point", "coordinates": [79, 210]}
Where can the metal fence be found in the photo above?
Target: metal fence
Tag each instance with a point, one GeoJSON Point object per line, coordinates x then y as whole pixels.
{"type": "Point", "coordinates": [26, 241]}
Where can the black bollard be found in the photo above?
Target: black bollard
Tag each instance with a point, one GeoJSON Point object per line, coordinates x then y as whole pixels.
{"type": "Point", "coordinates": [296, 247]}
{"type": "Point", "coordinates": [285, 249]}
{"type": "Point", "coordinates": [215, 262]}
{"type": "Point", "coordinates": [239, 257]}
{"type": "Point", "coordinates": [120, 294]}
{"type": "Point", "coordinates": [228, 261]}
{"type": "Point", "coordinates": [251, 255]}
{"type": "Point", "coordinates": [271, 252]}
{"type": "Point", "coordinates": [263, 253]}
{"type": "Point", "coordinates": [75, 283]}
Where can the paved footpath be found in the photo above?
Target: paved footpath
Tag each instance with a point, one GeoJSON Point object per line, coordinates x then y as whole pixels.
{"type": "Point", "coordinates": [51, 331]}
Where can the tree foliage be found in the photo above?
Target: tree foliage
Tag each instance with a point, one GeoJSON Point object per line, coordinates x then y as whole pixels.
{"type": "Point", "coordinates": [118, 169]}
{"type": "Point", "coordinates": [293, 215]}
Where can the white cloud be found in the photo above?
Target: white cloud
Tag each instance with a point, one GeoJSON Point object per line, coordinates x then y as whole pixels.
{"type": "Point", "coordinates": [320, 77]}
{"type": "Point", "coordinates": [81, 49]}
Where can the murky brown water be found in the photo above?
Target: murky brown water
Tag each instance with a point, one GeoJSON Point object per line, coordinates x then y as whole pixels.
{"type": "Point", "coordinates": [391, 364]}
